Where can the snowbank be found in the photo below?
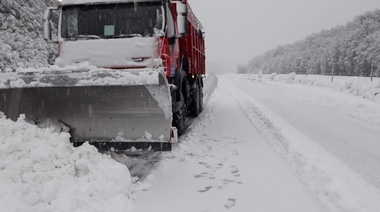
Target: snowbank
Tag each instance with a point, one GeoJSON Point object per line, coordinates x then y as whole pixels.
{"type": "Point", "coordinates": [359, 86]}
{"type": "Point", "coordinates": [41, 171]}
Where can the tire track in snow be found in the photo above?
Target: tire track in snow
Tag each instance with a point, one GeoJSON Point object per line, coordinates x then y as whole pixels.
{"type": "Point", "coordinates": [333, 183]}
{"type": "Point", "coordinates": [326, 117]}
{"type": "Point", "coordinates": [231, 165]}
{"type": "Point", "coordinates": [223, 164]}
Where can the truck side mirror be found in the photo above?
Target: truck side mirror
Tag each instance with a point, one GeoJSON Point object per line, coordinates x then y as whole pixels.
{"type": "Point", "coordinates": [48, 24]}
{"type": "Point", "coordinates": [181, 19]}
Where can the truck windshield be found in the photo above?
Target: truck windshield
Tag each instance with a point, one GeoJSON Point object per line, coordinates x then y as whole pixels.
{"type": "Point", "coordinates": [142, 19]}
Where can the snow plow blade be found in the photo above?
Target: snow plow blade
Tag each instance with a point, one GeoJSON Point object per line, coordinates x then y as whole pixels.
{"type": "Point", "coordinates": [111, 109]}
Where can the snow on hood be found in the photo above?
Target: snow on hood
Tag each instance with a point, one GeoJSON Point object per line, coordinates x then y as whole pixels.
{"type": "Point", "coordinates": [72, 2]}
{"type": "Point", "coordinates": [109, 52]}
{"type": "Point", "coordinates": [42, 171]}
{"type": "Point", "coordinates": [76, 76]}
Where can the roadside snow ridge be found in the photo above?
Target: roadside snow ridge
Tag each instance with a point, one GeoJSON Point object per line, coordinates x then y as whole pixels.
{"type": "Point", "coordinates": [41, 171]}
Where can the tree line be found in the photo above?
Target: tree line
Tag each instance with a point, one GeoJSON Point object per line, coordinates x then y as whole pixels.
{"type": "Point", "coordinates": [348, 50]}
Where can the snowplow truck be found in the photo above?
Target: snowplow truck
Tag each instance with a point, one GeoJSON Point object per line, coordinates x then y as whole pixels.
{"type": "Point", "coordinates": [128, 73]}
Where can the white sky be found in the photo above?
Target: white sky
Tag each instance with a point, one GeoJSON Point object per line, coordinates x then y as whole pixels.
{"type": "Point", "coordinates": [237, 30]}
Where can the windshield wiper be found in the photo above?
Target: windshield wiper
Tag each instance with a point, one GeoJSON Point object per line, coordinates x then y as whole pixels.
{"type": "Point", "coordinates": [84, 37]}
{"type": "Point", "coordinates": [125, 36]}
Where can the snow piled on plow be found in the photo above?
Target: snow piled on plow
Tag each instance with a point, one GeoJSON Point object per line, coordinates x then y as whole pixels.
{"type": "Point", "coordinates": [41, 171]}
{"type": "Point", "coordinates": [77, 76]}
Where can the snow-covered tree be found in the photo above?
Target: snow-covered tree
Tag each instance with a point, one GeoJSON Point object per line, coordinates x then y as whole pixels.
{"type": "Point", "coordinates": [241, 69]}
{"type": "Point", "coordinates": [21, 34]}
{"type": "Point", "coordinates": [352, 49]}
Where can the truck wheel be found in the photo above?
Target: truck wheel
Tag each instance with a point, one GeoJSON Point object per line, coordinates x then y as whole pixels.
{"type": "Point", "coordinates": [200, 98]}
{"type": "Point", "coordinates": [196, 104]}
{"type": "Point", "coordinates": [181, 114]}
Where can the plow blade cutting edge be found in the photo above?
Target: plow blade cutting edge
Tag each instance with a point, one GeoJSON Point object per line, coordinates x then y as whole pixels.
{"type": "Point", "coordinates": [117, 109]}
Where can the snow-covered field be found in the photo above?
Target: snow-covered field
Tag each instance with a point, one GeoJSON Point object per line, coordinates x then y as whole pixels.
{"type": "Point", "coordinates": [263, 143]}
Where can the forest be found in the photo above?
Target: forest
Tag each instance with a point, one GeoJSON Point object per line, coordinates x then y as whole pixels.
{"type": "Point", "coordinates": [346, 50]}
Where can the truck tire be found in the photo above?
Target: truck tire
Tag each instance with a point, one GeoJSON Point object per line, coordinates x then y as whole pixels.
{"type": "Point", "coordinates": [200, 97]}
{"type": "Point", "coordinates": [182, 98]}
{"type": "Point", "coordinates": [195, 107]}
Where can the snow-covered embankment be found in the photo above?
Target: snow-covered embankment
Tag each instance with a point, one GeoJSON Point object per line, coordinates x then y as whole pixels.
{"type": "Point", "coordinates": [359, 86]}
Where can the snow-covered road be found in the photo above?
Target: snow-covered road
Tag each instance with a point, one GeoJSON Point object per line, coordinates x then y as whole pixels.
{"type": "Point", "coordinates": [225, 164]}
{"type": "Point", "coordinates": [263, 143]}
{"type": "Point", "coordinates": [266, 146]}
{"type": "Point", "coordinates": [346, 126]}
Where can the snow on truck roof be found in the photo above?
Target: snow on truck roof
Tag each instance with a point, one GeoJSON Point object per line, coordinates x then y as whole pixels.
{"type": "Point", "coordinates": [73, 2]}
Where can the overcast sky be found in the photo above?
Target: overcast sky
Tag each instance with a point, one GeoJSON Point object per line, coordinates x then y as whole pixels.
{"type": "Point", "coordinates": [237, 30]}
